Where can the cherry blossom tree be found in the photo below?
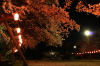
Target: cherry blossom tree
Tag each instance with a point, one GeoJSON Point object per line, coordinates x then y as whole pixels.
{"type": "Point", "coordinates": [40, 20]}
{"type": "Point", "coordinates": [89, 8]}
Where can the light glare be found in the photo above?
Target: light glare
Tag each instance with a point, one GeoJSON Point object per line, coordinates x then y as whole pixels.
{"type": "Point", "coordinates": [18, 30]}
{"type": "Point", "coordinates": [87, 33]}
{"type": "Point", "coordinates": [15, 50]}
{"type": "Point", "coordinates": [16, 16]}
{"type": "Point", "coordinates": [74, 46]}
{"type": "Point", "coordinates": [19, 36]}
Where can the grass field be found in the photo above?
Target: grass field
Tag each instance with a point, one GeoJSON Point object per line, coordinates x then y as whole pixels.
{"type": "Point", "coordinates": [62, 63]}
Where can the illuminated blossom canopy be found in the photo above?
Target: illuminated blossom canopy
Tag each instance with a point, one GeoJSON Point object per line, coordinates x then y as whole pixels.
{"type": "Point", "coordinates": [89, 8]}
{"type": "Point", "coordinates": [43, 20]}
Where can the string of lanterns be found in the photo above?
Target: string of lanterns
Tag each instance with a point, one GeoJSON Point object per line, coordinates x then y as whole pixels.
{"type": "Point", "coordinates": [97, 51]}
{"type": "Point", "coordinates": [18, 30]}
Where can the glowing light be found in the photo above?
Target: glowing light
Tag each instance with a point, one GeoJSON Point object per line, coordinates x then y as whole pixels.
{"type": "Point", "coordinates": [15, 50]}
{"type": "Point", "coordinates": [80, 53]}
{"type": "Point", "coordinates": [16, 16]}
{"type": "Point", "coordinates": [19, 36]}
{"type": "Point", "coordinates": [96, 51]}
{"type": "Point", "coordinates": [18, 30]}
{"type": "Point", "coordinates": [74, 46]}
{"type": "Point", "coordinates": [20, 45]}
{"type": "Point", "coordinates": [88, 52]}
{"type": "Point", "coordinates": [20, 40]}
{"type": "Point", "coordinates": [52, 53]}
{"type": "Point", "coordinates": [87, 33]}
{"type": "Point", "coordinates": [72, 53]}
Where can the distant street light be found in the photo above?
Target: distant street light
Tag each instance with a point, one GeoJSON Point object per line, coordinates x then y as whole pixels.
{"type": "Point", "coordinates": [74, 46]}
{"type": "Point", "coordinates": [88, 33]}
{"type": "Point", "coordinates": [75, 51]}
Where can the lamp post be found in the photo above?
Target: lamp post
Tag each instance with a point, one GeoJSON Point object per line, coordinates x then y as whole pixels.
{"type": "Point", "coordinates": [75, 51]}
{"type": "Point", "coordinates": [88, 33]}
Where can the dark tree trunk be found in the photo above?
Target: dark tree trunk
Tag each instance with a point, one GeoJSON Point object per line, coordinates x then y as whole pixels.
{"type": "Point", "coordinates": [16, 44]}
